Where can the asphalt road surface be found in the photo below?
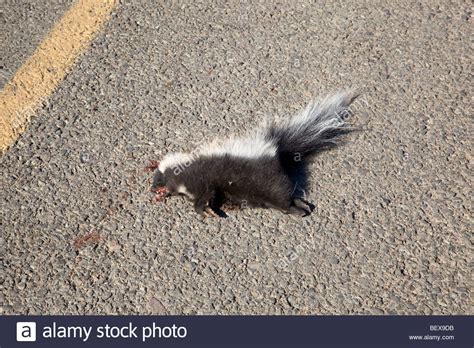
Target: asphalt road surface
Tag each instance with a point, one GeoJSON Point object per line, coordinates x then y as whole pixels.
{"type": "Point", "coordinates": [391, 234]}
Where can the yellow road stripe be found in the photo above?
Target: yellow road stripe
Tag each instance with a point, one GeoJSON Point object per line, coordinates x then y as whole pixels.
{"type": "Point", "coordinates": [44, 70]}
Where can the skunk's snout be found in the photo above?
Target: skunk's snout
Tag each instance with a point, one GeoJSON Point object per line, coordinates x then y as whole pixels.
{"type": "Point", "coordinates": [159, 180]}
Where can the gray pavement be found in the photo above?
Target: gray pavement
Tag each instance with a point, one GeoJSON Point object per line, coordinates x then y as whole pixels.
{"type": "Point", "coordinates": [391, 231]}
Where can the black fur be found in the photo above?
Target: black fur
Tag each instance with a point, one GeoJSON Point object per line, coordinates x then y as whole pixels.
{"type": "Point", "coordinates": [294, 158]}
{"type": "Point", "coordinates": [212, 181]}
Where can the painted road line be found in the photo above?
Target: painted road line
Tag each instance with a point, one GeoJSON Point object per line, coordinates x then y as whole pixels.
{"type": "Point", "coordinates": [38, 77]}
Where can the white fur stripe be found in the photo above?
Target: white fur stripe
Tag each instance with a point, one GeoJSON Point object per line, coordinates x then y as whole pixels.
{"type": "Point", "coordinates": [248, 147]}
{"type": "Point", "coordinates": [174, 160]}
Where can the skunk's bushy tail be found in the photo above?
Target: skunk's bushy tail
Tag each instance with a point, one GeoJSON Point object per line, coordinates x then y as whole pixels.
{"type": "Point", "coordinates": [315, 128]}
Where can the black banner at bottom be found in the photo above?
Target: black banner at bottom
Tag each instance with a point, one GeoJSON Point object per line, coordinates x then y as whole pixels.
{"type": "Point", "coordinates": [236, 331]}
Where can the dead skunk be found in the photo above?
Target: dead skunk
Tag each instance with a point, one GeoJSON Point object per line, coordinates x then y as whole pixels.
{"type": "Point", "coordinates": [267, 168]}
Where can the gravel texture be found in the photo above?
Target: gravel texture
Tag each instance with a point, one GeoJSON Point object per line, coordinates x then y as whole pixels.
{"type": "Point", "coordinates": [390, 234]}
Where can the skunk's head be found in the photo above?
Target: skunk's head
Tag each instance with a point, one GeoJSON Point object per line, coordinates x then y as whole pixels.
{"type": "Point", "coordinates": [159, 180]}
{"type": "Point", "coordinates": [165, 183]}
{"type": "Point", "coordinates": [167, 180]}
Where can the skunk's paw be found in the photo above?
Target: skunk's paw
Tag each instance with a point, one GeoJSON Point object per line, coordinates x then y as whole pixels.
{"type": "Point", "coordinates": [298, 211]}
{"type": "Point", "coordinates": [210, 212]}
{"type": "Point", "coordinates": [303, 203]}
{"type": "Point", "coordinates": [300, 206]}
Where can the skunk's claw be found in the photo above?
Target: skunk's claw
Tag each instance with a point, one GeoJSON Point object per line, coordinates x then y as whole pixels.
{"type": "Point", "coordinates": [209, 212]}
{"type": "Point", "coordinates": [303, 204]}
{"type": "Point", "coordinates": [206, 211]}
{"type": "Point", "coordinates": [299, 206]}
{"type": "Point", "coordinates": [298, 211]}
